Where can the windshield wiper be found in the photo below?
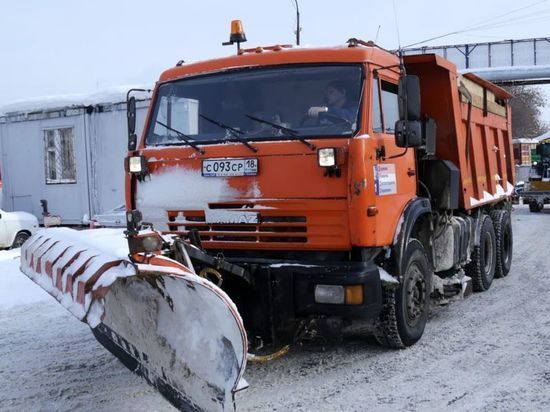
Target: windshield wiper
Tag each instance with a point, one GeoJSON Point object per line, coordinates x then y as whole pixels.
{"type": "Point", "coordinates": [232, 131]}
{"type": "Point", "coordinates": [293, 134]}
{"type": "Point", "coordinates": [183, 137]}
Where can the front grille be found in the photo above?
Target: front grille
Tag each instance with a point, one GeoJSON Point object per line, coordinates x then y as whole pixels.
{"type": "Point", "coordinates": [308, 224]}
{"type": "Point", "coordinates": [269, 229]}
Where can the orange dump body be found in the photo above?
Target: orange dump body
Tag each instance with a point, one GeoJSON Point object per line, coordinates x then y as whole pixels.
{"type": "Point", "coordinates": [476, 136]}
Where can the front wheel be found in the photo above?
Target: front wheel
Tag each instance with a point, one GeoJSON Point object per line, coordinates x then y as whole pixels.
{"type": "Point", "coordinates": [405, 310]}
{"type": "Point", "coordinates": [20, 239]}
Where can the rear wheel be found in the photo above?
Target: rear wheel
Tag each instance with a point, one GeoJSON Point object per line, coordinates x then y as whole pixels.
{"type": "Point", "coordinates": [20, 239]}
{"type": "Point", "coordinates": [405, 310]}
{"type": "Point", "coordinates": [535, 206]}
{"type": "Point", "coordinates": [504, 241]}
{"type": "Point", "coordinates": [483, 259]}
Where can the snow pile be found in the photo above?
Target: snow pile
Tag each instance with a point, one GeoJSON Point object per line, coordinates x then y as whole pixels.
{"type": "Point", "coordinates": [50, 103]}
{"type": "Point", "coordinates": [17, 289]}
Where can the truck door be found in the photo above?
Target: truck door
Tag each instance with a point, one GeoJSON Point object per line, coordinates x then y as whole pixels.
{"type": "Point", "coordinates": [394, 169]}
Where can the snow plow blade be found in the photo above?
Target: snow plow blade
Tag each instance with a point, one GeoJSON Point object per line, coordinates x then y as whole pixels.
{"type": "Point", "coordinates": [177, 330]}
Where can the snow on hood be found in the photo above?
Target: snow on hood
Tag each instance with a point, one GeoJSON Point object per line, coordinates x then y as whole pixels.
{"type": "Point", "coordinates": [50, 103]}
{"type": "Point", "coordinates": [178, 188]}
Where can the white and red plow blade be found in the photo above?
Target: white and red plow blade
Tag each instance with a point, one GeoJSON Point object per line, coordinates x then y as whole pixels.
{"type": "Point", "coordinates": [179, 331]}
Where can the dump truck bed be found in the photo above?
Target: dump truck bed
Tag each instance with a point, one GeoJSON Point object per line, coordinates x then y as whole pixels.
{"type": "Point", "coordinates": [473, 128]}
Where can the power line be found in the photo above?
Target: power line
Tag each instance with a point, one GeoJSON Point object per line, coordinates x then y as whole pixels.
{"type": "Point", "coordinates": [479, 25]}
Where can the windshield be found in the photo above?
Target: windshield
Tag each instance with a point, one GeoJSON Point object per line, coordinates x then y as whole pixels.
{"type": "Point", "coordinates": [255, 104]}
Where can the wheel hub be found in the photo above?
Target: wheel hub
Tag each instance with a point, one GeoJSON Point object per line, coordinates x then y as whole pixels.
{"type": "Point", "coordinates": [416, 295]}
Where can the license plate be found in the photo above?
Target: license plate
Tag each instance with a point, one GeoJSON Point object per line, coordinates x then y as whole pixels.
{"type": "Point", "coordinates": [230, 167]}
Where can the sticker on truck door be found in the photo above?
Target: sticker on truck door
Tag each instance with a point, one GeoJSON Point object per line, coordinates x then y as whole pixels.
{"type": "Point", "coordinates": [385, 180]}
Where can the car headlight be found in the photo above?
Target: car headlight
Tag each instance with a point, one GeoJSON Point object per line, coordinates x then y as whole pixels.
{"type": "Point", "coordinates": [327, 157]}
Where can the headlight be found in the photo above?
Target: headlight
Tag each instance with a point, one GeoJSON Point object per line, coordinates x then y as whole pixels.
{"type": "Point", "coordinates": [339, 294]}
{"type": "Point", "coordinates": [145, 243]}
{"type": "Point", "coordinates": [152, 243]}
{"type": "Point", "coordinates": [333, 294]}
{"type": "Point", "coordinates": [136, 164]}
{"type": "Point", "coordinates": [327, 157]}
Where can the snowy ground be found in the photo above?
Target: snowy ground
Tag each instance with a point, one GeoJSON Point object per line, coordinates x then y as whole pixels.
{"type": "Point", "coordinates": [488, 352]}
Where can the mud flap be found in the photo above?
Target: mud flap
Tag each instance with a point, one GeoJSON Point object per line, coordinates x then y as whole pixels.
{"type": "Point", "coordinates": [179, 331]}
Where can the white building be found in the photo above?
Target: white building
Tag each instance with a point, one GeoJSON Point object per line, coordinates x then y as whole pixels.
{"type": "Point", "coordinates": [68, 150]}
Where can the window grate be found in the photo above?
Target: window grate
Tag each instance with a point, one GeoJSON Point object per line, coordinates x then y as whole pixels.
{"type": "Point", "coordinates": [59, 156]}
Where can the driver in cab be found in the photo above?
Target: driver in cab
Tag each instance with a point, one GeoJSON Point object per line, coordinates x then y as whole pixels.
{"type": "Point", "coordinates": [337, 108]}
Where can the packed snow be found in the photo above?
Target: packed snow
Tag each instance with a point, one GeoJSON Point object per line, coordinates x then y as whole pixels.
{"type": "Point", "coordinates": [488, 352]}
{"type": "Point", "coordinates": [178, 188]}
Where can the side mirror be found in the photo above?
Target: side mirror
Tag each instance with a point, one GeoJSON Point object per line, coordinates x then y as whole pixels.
{"type": "Point", "coordinates": [409, 98]}
{"type": "Point", "coordinates": [408, 133]}
{"type": "Point", "coordinates": [131, 114]}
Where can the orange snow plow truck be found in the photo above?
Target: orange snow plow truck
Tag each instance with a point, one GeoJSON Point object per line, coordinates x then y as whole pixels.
{"type": "Point", "coordinates": [282, 194]}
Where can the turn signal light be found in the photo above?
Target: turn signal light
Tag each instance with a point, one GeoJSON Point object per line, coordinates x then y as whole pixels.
{"type": "Point", "coordinates": [354, 295]}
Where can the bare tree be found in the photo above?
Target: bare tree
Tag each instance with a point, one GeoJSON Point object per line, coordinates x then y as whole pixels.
{"type": "Point", "coordinates": [527, 105]}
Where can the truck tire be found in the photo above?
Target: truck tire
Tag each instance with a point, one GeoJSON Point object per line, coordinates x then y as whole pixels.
{"type": "Point", "coordinates": [20, 238]}
{"type": "Point", "coordinates": [535, 206]}
{"type": "Point", "coordinates": [504, 241]}
{"type": "Point", "coordinates": [405, 309]}
{"type": "Point", "coordinates": [484, 258]}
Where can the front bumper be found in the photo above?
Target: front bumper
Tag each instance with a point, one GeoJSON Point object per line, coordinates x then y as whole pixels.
{"type": "Point", "coordinates": [305, 278]}
{"type": "Point", "coordinates": [284, 294]}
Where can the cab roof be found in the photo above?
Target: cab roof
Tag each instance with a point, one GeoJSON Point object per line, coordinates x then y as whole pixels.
{"type": "Point", "coordinates": [283, 55]}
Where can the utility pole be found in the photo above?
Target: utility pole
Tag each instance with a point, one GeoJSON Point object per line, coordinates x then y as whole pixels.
{"type": "Point", "coordinates": [298, 28]}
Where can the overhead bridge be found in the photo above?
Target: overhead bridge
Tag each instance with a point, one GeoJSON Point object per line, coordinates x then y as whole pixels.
{"type": "Point", "coordinates": [525, 61]}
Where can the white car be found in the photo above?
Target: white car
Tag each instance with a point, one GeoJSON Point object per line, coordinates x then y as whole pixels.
{"type": "Point", "coordinates": [111, 218]}
{"type": "Point", "coordinates": [16, 228]}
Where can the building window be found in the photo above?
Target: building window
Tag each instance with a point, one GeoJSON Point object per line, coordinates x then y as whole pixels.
{"type": "Point", "coordinates": [59, 156]}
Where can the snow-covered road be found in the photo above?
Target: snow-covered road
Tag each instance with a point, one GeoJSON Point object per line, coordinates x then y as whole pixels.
{"type": "Point", "coordinates": [488, 352]}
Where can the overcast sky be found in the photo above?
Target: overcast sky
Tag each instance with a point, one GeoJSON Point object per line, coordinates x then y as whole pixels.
{"type": "Point", "coordinates": [66, 46]}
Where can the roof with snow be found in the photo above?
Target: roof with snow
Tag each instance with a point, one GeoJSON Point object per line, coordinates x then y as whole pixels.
{"type": "Point", "coordinates": [73, 101]}
{"type": "Point", "coordinates": [542, 137]}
